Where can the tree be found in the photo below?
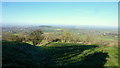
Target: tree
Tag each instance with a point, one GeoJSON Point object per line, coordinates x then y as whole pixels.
{"type": "Point", "coordinates": [9, 36]}
{"type": "Point", "coordinates": [74, 38]}
{"type": "Point", "coordinates": [36, 36]}
{"type": "Point", "coordinates": [66, 36]}
{"type": "Point", "coordinates": [69, 37]}
{"type": "Point", "coordinates": [20, 37]}
{"type": "Point", "coordinates": [51, 37]}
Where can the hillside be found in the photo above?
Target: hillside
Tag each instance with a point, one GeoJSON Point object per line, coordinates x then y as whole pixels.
{"type": "Point", "coordinates": [17, 54]}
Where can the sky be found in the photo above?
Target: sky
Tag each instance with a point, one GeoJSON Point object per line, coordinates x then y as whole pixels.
{"type": "Point", "coordinates": [59, 0]}
{"type": "Point", "coordinates": [60, 13]}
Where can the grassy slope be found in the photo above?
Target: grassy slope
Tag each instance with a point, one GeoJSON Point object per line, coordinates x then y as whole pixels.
{"type": "Point", "coordinates": [57, 54]}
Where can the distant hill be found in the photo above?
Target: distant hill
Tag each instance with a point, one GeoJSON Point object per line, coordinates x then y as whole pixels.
{"type": "Point", "coordinates": [45, 26]}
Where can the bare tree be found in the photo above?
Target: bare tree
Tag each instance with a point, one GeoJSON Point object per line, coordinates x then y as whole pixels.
{"type": "Point", "coordinates": [36, 36]}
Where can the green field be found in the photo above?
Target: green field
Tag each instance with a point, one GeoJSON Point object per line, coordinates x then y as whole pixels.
{"type": "Point", "coordinates": [17, 54]}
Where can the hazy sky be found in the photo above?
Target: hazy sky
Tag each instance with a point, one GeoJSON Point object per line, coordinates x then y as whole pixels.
{"type": "Point", "coordinates": [59, 0]}
{"type": "Point", "coordinates": [60, 13]}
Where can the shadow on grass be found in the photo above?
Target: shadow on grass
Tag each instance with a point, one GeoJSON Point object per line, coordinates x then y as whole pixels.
{"type": "Point", "coordinates": [96, 59]}
{"type": "Point", "coordinates": [17, 54]}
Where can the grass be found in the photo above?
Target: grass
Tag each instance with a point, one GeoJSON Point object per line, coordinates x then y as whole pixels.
{"type": "Point", "coordinates": [30, 43]}
{"type": "Point", "coordinates": [19, 54]}
{"type": "Point", "coordinates": [113, 54]}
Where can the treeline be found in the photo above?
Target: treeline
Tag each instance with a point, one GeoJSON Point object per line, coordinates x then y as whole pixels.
{"type": "Point", "coordinates": [38, 36]}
